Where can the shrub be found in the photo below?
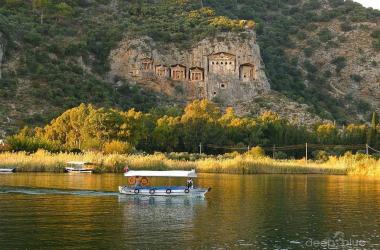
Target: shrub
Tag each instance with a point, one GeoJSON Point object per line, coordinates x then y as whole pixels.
{"type": "Point", "coordinates": [376, 33]}
{"type": "Point", "coordinates": [356, 78]}
{"type": "Point", "coordinates": [256, 152]}
{"type": "Point", "coordinates": [327, 74]}
{"type": "Point", "coordinates": [231, 155]}
{"type": "Point", "coordinates": [332, 44]}
{"type": "Point", "coordinates": [179, 156]}
{"type": "Point", "coordinates": [320, 156]}
{"type": "Point", "coordinates": [308, 51]}
{"type": "Point", "coordinates": [280, 155]}
{"type": "Point", "coordinates": [340, 62]}
{"type": "Point", "coordinates": [310, 67]}
{"type": "Point", "coordinates": [376, 44]}
{"type": "Point", "coordinates": [325, 35]}
{"type": "Point", "coordinates": [117, 147]}
{"type": "Point", "coordinates": [338, 150]}
{"type": "Point", "coordinates": [30, 144]}
{"type": "Point", "coordinates": [362, 105]}
{"type": "Point", "coordinates": [342, 39]}
{"type": "Point", "coordinates": [346, 26]}
{"type": "Point", "coordinates": [301, 35]}
{"type": "Point", "coordinates": [32, 37]}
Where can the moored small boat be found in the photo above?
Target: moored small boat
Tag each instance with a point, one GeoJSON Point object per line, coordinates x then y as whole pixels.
{"type": "Point", "coordinates": [141, 187]}
{"type": "Point", "coordinates": [7, 170]}
{"type": "Point", "coordinates": [79, 167]}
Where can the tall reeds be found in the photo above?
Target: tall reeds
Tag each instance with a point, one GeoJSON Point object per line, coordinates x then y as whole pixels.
{"type": "Point", "coordinates": [43, 161]}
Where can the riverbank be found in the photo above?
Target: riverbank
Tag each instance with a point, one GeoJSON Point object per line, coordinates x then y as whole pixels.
{"type": "Point", "coordinates": [43, 161]}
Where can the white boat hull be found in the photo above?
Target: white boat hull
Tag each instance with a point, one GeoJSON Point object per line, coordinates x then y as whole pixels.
{"type": "Point", "coordinates": [75, 170]}
{"type": "Point", "coordinates": [164, 191]}
{"type": "Point", "coordinates": [7, 170]}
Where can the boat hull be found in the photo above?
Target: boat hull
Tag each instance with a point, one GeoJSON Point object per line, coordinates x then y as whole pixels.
{"type": "Point", "coordinates": [7, 170]}
{"type": "Point", "coordinates": [74, 170]}
{"type": "Point", "coordinates": [164, 191]}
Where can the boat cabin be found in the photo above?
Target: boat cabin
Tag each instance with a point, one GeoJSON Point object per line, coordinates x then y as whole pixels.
{"type": "Point", "coordinates": [139, 184]}
{"type": "Point", "coordinates": [79, 167]}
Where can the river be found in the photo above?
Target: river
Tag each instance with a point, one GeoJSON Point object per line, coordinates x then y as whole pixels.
{"type": "Point", "coordinates": [84, 211]}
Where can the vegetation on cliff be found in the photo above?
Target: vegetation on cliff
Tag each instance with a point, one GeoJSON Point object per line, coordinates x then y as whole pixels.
{"type": "Point", "coordinates": [57, 51]}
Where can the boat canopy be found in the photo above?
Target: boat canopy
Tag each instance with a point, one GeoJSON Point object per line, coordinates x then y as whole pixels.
{"type": "Point", "coordinates": [171, 173]}
{"type": "Point", "coordinates": [78, 163]}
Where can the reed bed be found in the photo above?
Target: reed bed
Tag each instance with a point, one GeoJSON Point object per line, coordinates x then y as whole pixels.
{"type": "Point", "coordinates": [43, 161]}
{"type": "Point", "coordinates": [264, 165]}
{"type": "Point", "coordinates": [359, 164]}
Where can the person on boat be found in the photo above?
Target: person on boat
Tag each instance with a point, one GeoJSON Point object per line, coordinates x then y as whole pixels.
{"type": "Point", "coordinates": [138, 182]}
{"type": "Point", "coordinates": [189, 183]}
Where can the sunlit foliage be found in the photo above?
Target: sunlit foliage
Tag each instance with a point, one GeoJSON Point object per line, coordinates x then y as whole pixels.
{"type": "Point", "coordinates": [202, 126]}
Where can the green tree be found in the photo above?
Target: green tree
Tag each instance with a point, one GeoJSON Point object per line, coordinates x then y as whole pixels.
{"type": "Point", "coordinates": [166, 134]}
{"type": "Point", "coordinates": [103, 124]}
{"type": "Point", "coordinates": [200, 124]}
{"type": "Point", "coordinates": [68, 129]}
{"type": "Point", "coordinates": [117, 147]}
{"type": "Point", "coordinates": [13, 3]}
{"type": "Point", "coordinates": [327, 133]}
{"type": "Point", "coordinates": [355, 134]}
{"type": "Point", "coordinates": [63, 10]}
{"type": "Point", "coordinates": [372, 133]}
{"type": "Point", "coordinates": [41, 6]}
{"type": "Point", "coordinates": [134, 127]}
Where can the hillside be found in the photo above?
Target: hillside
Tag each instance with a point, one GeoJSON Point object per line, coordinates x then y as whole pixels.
{"type": "Point", "coordinates": [55, 56]}
{"type": "Point", "coordinates": [323, 53]}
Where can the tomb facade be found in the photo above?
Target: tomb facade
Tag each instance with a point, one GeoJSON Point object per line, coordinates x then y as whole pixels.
{"type": "Point", "coordinates": [178, 72]}
{"type": "Point", "coordinates": [228, 68]}
{"type": "Point", "coordinates": [196, 74]}
{"type": "Point", "coordinates": [162, 71]}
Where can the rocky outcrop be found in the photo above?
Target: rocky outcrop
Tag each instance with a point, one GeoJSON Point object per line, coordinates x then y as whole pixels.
{"type": "Point", "coordinates": [294, 112]}
{"type": "Point", "coordinates": [227, 67]}
{"type": "Point", "coordinates": [357, 81]}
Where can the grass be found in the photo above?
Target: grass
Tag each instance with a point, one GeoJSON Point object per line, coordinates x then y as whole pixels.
{"type": "Point", "coordinates": [358, 164]}
{"type": "Point", "coordinates": [42, 161]}
{"type": "Point", "coordinates": [249, 165]}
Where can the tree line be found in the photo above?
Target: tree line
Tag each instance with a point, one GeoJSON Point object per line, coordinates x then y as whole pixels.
{"type": "Point", "coordinates": [86, 127]}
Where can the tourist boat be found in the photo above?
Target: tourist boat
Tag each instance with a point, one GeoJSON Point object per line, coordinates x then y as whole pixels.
{"type": "Point", "coordinates": [7, 170]}
{"type": "Point", "coordinates": [79, 167]}
{"type": "Point", "coordinates": [145, 189]}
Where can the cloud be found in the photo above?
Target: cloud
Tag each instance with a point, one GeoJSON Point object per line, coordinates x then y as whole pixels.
{"type": "Point", "coordinates": [370, 3]}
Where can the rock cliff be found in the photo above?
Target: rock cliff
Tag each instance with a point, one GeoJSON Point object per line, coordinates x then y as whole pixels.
{"type": "Point", "coordinates": [227, 68]}
{"type": "Point", "coordinates": [344, 58]}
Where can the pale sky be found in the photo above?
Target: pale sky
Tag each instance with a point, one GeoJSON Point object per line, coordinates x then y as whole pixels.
{"type": "Point", "coordinates": [370, 3]}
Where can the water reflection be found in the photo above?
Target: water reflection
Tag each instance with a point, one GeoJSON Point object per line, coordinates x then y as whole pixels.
{"type": "Point", "coordinates": [161, 200]}
{"type": "Point", "coordinates": [157, 219]}
{"type": "Point", "coordinates": [255, 212]}
{"type": "Point", "coordinates": [160, 209]}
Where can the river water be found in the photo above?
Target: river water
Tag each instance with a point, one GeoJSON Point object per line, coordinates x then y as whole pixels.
{"type": "Point", "coordinates": [84, 211]}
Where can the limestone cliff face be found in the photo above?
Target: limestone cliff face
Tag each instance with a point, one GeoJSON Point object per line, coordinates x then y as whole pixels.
{"type": "Point", "coordinates": [227, 67]}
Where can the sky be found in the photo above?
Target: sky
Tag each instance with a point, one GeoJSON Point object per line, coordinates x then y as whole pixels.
{"type": "Point", "coordinates": [370, 3]}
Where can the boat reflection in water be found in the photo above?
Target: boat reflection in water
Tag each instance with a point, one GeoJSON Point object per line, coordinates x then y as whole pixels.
{"type": "Point", "coordinates": [160, 217]}
{"type": "Point", "coordinates": [175, 201]}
